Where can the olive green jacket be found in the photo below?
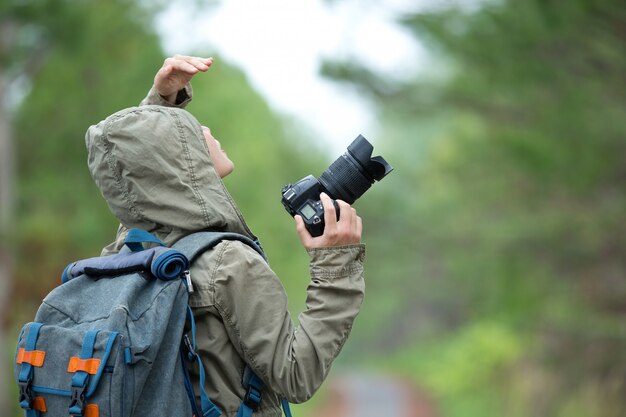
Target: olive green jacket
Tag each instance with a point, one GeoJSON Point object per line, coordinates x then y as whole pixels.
{"type": "Point", "coordinates": [153, 168]}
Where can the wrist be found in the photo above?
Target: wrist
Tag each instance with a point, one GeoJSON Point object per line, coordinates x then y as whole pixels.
{"type": "Point", "coordinates": [336, 261]}
{"type": "Point", "coordinates": [170, 98]}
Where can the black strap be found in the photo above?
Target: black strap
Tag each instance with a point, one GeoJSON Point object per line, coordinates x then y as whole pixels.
{"type": "Point", "coordinates": [195, 244]}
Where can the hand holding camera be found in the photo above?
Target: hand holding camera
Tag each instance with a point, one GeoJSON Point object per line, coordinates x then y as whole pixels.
{"type": "Point", "coordinates": [342, 225]}
{"type": "Point", "coordinates": [310, 200]}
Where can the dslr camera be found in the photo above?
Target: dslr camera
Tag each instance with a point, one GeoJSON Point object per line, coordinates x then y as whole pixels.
{"type": "Point", "coordinates": [346, 179]}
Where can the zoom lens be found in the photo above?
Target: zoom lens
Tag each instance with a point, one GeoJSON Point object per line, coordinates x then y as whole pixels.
{"type": "Point", "coordinates": [354, 172]}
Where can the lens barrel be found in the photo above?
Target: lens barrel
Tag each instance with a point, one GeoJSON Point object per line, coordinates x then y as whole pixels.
{"type": "Point", "coordinates": [354, 172]}
{"type": "Point", "coordinates": [344, 180]}
{"type": "Point", "coordinates": [347, 179]}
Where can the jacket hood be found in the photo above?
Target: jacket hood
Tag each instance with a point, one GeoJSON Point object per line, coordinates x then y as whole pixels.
{"type": "Point", "coordinates": [152, 166]}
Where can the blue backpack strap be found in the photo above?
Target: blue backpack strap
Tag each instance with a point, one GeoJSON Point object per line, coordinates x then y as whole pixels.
{"type": "Point", "coordinates": [253, 385]}
{"type": "Point", "coordinates": [25, 378]}
{"type": "Point", "coordinates": [136, 237]}
{"type": "Point", "coordinates": [184, 356]}
{"type": "Point", "coordinates": [81, 378]}
{"type": "Point", "coordinates": [252, 399]}
{"type": "Point", "coordinates": [286, 408]}
{"type": "Point", "coordinates": [208, 408]}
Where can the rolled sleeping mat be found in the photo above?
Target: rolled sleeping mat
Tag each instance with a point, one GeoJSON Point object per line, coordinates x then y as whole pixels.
{"type": "Point", "coordinates": [164, 263]}
{"type": "Point", "coordinates": [168, 263]}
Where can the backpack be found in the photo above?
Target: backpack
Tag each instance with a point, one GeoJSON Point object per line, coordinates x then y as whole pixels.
{"type": "Point", "coordinates": [110, 341]}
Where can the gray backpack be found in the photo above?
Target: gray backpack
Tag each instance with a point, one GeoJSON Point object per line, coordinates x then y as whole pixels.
{"type": "Point", "coordinates": [111, 342]}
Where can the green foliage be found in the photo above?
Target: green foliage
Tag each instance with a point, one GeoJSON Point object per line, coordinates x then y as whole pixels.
{"type": "Point", "coordinates": [512, 208]}
{"type": "Point", "coordinates": [82, 61]}
{"type": "Point", "coordinates": [495, 268]}
{"type": "Point", "coordinates": [104, 66]}
{"type": "Point", "coordinates": [468, 366]}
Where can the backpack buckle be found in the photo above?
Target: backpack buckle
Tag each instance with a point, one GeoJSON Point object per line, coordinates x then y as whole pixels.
{"type": "Point", "coordinates": [191, 352]}
{"type": "Point", "coordinates": [252, 398]}
{"type": "Point", "coordinates": [26, 395]}
{"type": "Point", "coordinates": [77, 402]}
{"type": "Point", "coordinates": [253, 385]}
{"type": "Point", "coordinates": [134, 354]}
{"type": "Point", "coordinates": [187, 276]}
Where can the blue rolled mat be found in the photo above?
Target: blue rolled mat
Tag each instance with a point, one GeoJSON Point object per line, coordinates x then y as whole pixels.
{"type": "Point", "coordinates": [163, 263]}
{"type": "Point", "coordinates": [169, 264]}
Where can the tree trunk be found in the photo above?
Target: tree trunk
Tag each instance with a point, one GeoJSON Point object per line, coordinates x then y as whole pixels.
{"type": "Point", "coordinates": [7, 173]}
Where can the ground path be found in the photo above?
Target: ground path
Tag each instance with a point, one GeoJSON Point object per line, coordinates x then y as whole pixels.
{"type": "Point", "coordinates": [374, 395]}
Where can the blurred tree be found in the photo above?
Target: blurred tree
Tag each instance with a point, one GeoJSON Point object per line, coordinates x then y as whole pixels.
{"type": "Point", "coordinates": [103, 63]}
{"type": "Point", "coordinates": [512, 163]}
{"type": "Point", "coordinates": [102, 58]}
{"type": "Point", "coordinates": [74, 62]}
{"type": "Point", "coordinates": [27, 34]}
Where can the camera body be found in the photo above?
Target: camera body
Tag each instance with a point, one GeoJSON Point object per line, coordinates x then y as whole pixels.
{"type": "Point", "coordinates": [346, 179]}
{"type": "Point", "coordinates": [303, 198]}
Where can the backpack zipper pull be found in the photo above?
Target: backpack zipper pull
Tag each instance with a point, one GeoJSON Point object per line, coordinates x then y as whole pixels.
{"type": "Point", "coordinates": [188, 281]}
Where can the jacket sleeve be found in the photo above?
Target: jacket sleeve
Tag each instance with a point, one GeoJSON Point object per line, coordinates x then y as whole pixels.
{"type": "Point", "coordinates": [183, 98]}
{"type": "Point", "coordinates": [293, 362]}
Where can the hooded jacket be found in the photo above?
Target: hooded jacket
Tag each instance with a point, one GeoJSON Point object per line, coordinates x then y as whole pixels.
{"type": "Point", "coordinates": [152, 166]}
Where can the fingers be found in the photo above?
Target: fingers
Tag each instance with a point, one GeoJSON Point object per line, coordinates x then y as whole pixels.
{"type": "Point", "coordinates": [176, 72]}
{"type": "Point", "coordinates": [330, 214]}
{"type": "Point", "coordinates": [187, 64]}
{"type": "Point", "coordinates": [346, 230]}
{"type": "Point", "coordinates": [349, 226]}
{"type": "Point", "coordinates": [303, 233]}
{"type": "Point", "coordinates": [163, 72]}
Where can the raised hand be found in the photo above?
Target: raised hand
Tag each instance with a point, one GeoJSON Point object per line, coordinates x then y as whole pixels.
{"type": "Point", "coordinates": [176, 72]}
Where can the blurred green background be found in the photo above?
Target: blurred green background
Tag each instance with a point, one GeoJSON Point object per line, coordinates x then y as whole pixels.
{"type": "Point", "coordinates": [496, 267]}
